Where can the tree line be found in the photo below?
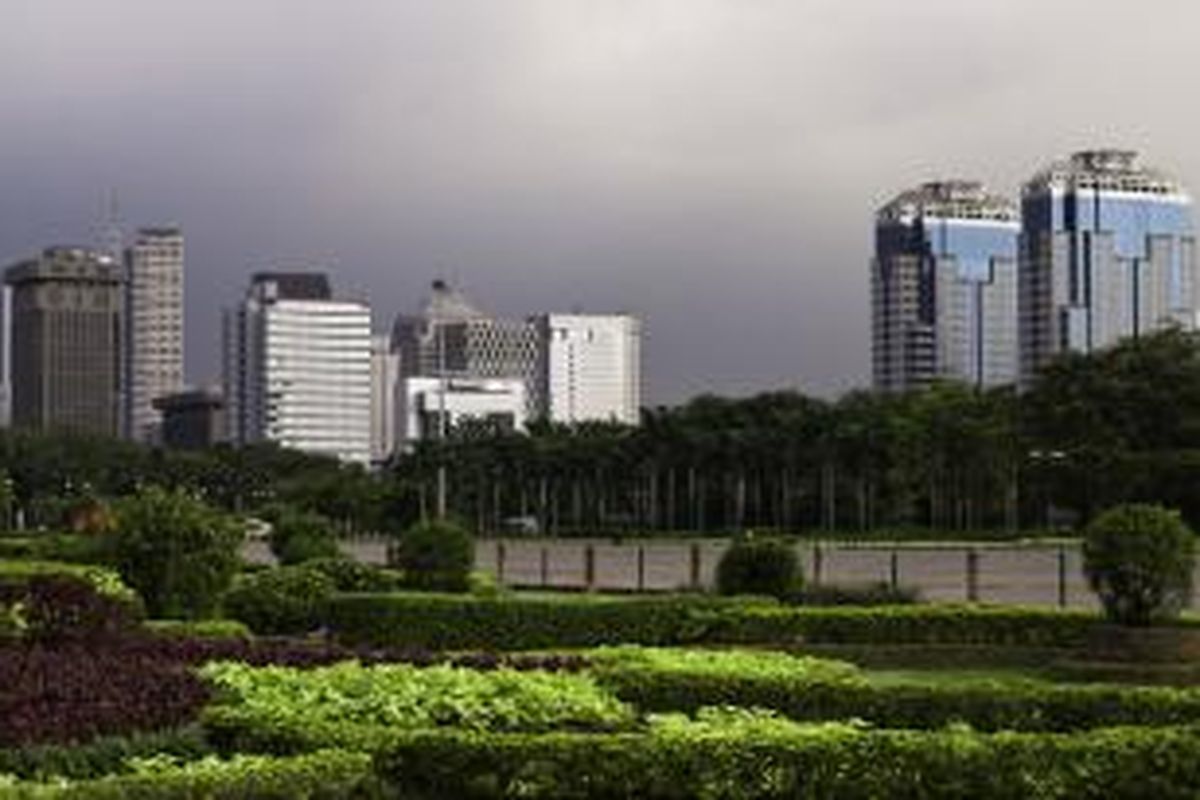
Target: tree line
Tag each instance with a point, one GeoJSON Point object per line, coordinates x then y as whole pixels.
{"type": "Point", "coordinates": [1094, 430]}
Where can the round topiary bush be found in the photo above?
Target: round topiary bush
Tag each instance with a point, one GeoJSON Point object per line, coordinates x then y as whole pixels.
{"type": "Point", "coordinates": [298, 536]}
{"type": "Point", "coordinates": [759, 566]}
{"type": "Point", "coordinates": [1139, 560]}
{"type": "Point", "coordinates": [349, 575]}
{"type": "Point", "coordinates": [434, 555]}
{"type": "Point", "coordinates": [280, 601]}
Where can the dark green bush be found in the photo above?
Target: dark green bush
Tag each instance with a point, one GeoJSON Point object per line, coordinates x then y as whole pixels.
{"type": "Point", "coordinates": [760, 566]}
{"type": "Point", "coordinates": [349, 575]}
{"type": "Point", "coordinates": [871, 594]}
{"type": "Point", "coordinates": [326, 774]}
{"type": "Point", "coordinates": [298, 536]}
{"type": "Point", "coordinates": [812, 689]}
{"type": "Point", "coordinates": [198, 629]}
{"type": "Point", "coordinates": [284, 600]}
{"type": "Point", "coordinates": [68, 547]}
{"type": "Point", "coordinates": [1140, 559]}
{"type": "Point", "coordinates": [516, 622]}
{"type": "Point", "coordinates": [434, 555]}
{"type": "Point", "coordinates": [103, 756]}
{"type": "Point", "coordinates": [176, 551]}
{"type": "Point", "coordinates": [772, 760]}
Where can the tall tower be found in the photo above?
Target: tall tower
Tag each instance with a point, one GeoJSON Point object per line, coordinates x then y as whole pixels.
{"type": "Point", "coordinates": [590, 367]}
{"type": "Point", "coordinates": [1107, 251]}
{"type": "Point", "coordinates": [298, 367]}
{"type": "Point", "coordinates": [66, 331]}
{"type": "Point", "coordinates": [153, 362]}
{"type": "Point", "coordinates": [944, 288]}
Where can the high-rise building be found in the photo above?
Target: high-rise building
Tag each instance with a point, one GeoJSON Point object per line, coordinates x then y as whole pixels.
{"type": "Point", "coordinates": [385, 382]}
{"type": "Point", "coordinates": [66, 333]}
{"type": "Point", "coordinates": [153, 358]}
{"type": "Point", "coordinates": [944, 288]}
{"type": "Point", "coordinates": [589, 367]}
{"type": "Point", "coordinates": [192, 420]}
{"type": "Point", "coordinates": [430, 408]}
{"type": "Point", "coordinates": [298, 367]}
{"type": "Point", "coordinates": [1107, 251]}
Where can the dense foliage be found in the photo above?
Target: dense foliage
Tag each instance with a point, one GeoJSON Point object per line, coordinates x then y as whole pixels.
{"type": "Point", "coordinates": [752, 757]}
{"type": "Point", "coordinates": [1140, 560]}
{"type": "Point", "coordinates": [452, 622]}
{"type": "Point", "coordinates": [298, 536]}
{"type": "Point", "coordinates": [434, 555]}
{"type": "Point", "coordinates": [176, 551]}
{"type": "Point", "coordinates": [762, 566]}
{"type": "Point", "coordinates": [286, 600]}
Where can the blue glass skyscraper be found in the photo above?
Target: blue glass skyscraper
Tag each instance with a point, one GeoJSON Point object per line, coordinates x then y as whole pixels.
{"type": "Point", "coordinates": [1107, 251]}
{"type": "Point", "coordinates": [944, 288]}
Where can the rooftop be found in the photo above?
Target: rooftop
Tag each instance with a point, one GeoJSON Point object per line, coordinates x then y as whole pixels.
{"type": "Point", "coordinates": [948, 199]}
{"type": "Point", "coordinates": [1105, 170]}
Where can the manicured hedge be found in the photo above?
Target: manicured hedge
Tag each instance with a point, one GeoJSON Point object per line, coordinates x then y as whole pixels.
{"type": "Point", "coordinates": [773, 760]}
{"type": "Point", "coordinates": [813, 689]}
{"type": "Point", "coordinates": [328, 774]}
{"type": "Point", "coordinates": [103, 756]}
{"type": "Point", "coordinates": [457, 622]}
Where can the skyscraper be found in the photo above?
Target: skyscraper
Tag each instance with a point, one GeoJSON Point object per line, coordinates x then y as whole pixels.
{"type": "Point", "coordinates": [66, 334]}
{"type": "Point", "coordinates": [589, 367]}
{"type": "Point", "coordinates": [298, 367]}
{"type": "Point", "coordinates": [385, 379]}
{"type": "Point", "coordinates": [1107, 251]}
{"type": "Point", "coordinates": [153, 358]}
{"type": "Point", "coordinates": [944, 287]}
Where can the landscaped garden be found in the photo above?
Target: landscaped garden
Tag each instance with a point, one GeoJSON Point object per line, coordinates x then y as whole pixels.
{"type": "Point", "coordinates": [165, 668]}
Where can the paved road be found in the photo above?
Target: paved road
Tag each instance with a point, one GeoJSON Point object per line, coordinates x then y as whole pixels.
{"type": "Point", "coordinates": [1027, 574]}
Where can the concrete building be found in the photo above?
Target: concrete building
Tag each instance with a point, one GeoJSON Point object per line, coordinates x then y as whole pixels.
{"type": "Point", "coordinates": [153, 357]}
{"type": "Point", "coordinates": [298, 367]}
{"type": "Point", "coordinates": [1107, 251]}
{"type": "Point", "coordinates": [66, 333]}
{"type": "Point", "coordinates": [944, 288]}
{"type": "Point", "coordinates": [432, 407]}
{"type": "Point", "coordinates": [451, 337]}
{"type": "Point", "coordinates": [385, 383]}
{"type": "Point", "coordinates": [589, 367]}
{"type": "Point", "coordinates": [191, 420]}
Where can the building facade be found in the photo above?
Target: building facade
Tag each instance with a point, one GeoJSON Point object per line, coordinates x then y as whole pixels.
{"type": "Point", "coordinates": [66, 341]}
{"type": "Point", "coordinates": [153, 341]}
{"type": "Point", "coordinates": [385, 382]}
{"type": "Point", "coordinates": [430, 408]}
{"type": "Point", "coordinates": [298, 367]}
{"type": "Point", "coordinates": [589, 367]}
{"type": "Point", "coordinates": [944, 288]}
{"type": "Point", "coordinates": [1107, 251]}
{"type": "Point", "coordinates": [191, 420]}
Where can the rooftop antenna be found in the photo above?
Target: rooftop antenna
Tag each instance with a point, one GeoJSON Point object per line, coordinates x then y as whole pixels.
{"type": "Point", "coordinates": [112, 238]}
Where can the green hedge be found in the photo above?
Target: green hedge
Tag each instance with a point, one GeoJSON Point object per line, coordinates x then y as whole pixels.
{"type": "Point", "coordinates": [327, 774]}
{"type": "Point", "coordinates": [101, 756]}
{"type": "Point", "coordinates": [814, 689]}
{"type": "Point", "coordinates": [772, 760]}
{"type": "Point", "coordinates": [457, 622]}
{"type": "Point", "coordinates": [199, 629]}
{"type": "Point", "coordinates": [72, 547]}
{"type": "Point", "coordinates": [104, 580]}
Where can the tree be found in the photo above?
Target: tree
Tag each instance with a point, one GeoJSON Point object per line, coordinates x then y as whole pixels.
{"type": "Point", "coordinates": [1139, 559]}
{"type": "Point", "coordinates": [435, 555]}
{"type": "Point", "coordinates": [177, 552]}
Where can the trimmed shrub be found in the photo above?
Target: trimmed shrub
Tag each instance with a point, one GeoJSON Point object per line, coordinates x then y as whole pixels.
{"type": "Point", "coordinates": [756, 566]}
{"type": "Point", "coordinates": [69, 547]}
{"type": "Point", "coordinates": [326, 774]}
{"type": "Point", "coordinates": [871, 594]}
{"type": "Point", "coordinates": [434, 555]}
{"type": "Point", "coordinates": [1139, 559]}
{"type": "Point", "coordinates": [178, 553]}
{"type": "Point", "coordinates": [103, 756]}
{"type": "Point", "coordinates": [750, 757]}
{"type": "Point", "coordinates": [60, 607]}
{"type": "Point", "coordinates": [818, 689]}
{"type": "Point", "coordinates": [516, 622]}
{"type": "Point", "coordinates": [199, 629]}
{"type": "Point", "coordinates": [298, 536]}
{"type": "Point", "coordinates": [284, 600]}
{"type": "Point", "coordinates": [349, 575]}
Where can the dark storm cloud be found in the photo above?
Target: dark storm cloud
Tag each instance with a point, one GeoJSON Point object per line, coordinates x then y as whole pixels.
{"type": "Point", "coordinates": [710, 165]}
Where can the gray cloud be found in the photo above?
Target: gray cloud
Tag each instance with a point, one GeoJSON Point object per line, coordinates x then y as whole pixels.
{"type": "Point", "coordinates": [710, 164]}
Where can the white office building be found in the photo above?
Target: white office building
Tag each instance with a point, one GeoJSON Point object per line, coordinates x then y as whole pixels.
{"type": "Point", "coordinates": [298, 367]}
{"type": "Point", "coordinates": [433, 407]}
{"type": "Point", "coordinates": [152, 357]}
{"type": "Point", "coordinates": [385, 382]}
{"type": "Point", "coordinates": [590, 367]}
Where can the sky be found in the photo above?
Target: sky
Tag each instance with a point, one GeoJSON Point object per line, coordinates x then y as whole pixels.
{"type": "Point", "coordinates": [710, 165]}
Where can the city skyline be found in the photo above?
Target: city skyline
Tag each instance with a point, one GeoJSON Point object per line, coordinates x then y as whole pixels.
{"type": "Point", "coordinates": [695, 163]}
